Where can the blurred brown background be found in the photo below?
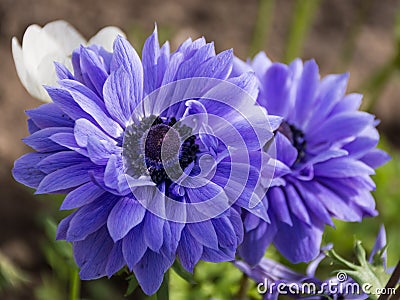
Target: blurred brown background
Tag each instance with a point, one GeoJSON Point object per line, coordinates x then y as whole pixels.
{"type": "Point", "coordinates": [355, 36]}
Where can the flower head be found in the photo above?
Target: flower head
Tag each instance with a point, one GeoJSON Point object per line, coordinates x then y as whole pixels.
{"type": "Point", "coordinates": [158, 155]}
{"type": "Point", "coordinates": [326, 152]}
{"type": "Point", "coordinates": [54, 42]}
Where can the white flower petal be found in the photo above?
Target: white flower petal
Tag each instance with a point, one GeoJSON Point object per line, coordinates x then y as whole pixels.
{"type": "Point", "coordinates": [55, 42]}
{"type": "Point", "coordinates": [65, 35]}
{"type": "Point", "coordinates": [106, 36]}
{"type": "Point", "coordinates": [39, 51]}
{"type": "Point", "coordinates": [35, 45]}
{"type": "Point", "coordinates": [19, 61]}
{"type": "Point", "coordinates": [41, 47]}
{"type": "Point", "coordinates": [29, 82]}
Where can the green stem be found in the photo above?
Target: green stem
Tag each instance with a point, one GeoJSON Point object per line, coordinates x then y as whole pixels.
{"type": "Point", "coordinates": [304, 12]}
{"type": "Point", "coordinates": [261, 27]}
{"type": "Point", "coordinates": [353, 32]}
{"type": "Point", "coordinates": [338, 259]}
{"type": "Point", "coordinates": [75, 285]}
{"type": "Point", "coordinates": [375, 85]}
{"type": "Point", "coordinates": [163, 292]}
{"type": "Point", "coordinates": [244, 285]}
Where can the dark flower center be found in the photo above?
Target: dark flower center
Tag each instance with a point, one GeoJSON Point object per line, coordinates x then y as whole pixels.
{"type": "Point", "coordinates": [296, 137]}
{"type": "Point", "coordinates": [159, 147]}
{"type": "Point", "coordinates": [162, 142]}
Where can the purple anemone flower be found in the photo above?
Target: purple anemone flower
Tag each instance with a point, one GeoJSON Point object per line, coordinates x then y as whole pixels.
{"type": "Point", "coordinates": [326, 152]}
{"type": "Point", "coordinates": [157, 155]}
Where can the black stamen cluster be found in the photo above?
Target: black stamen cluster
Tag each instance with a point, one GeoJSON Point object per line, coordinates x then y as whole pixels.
{"type": "Point", "coordinates": [296, 137]}
{"type": "Point", "coordinates": [146, 143]}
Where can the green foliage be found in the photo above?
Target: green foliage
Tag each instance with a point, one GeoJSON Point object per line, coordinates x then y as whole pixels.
{"type": "Point", "coordinates": [217, 281]}
{"type": "Point", "coordinates": [364, 272]}
{"type": "Point", "coordinates": [262, 25]}
{"type": "Point", "coordinates": [132, 285]}
{"type": "Point", "coordinates": [10, 275]}
{"type": "Point", "coordinates": [303, 15]}
{"type": "Point", "coordinates": [50, 288]}
{"type": "Point", "coordinates": [163, 292]}
{"type": "Point", "coordinates": [58, 255]}
{"type": "Point", "coordinates": [179, 270]}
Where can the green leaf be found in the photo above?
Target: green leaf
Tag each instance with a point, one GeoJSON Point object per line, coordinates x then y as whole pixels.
{"type": "Point", "coordinates": [10, 274]}
{"type": "Point", "coordinates": [377, 259]}
{"type": "Point", "coordinates": [132, 285]}
{"type": "Point", "coordinates": [185, 275]}
{"type": "Point", "coordinates": [163, 292]}
{"type": "Point", "coordinates": [363, 273]}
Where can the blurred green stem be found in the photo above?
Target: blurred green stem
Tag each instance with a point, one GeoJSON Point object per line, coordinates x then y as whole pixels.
{"type": "Point", "coordinates": [75, 285]}
{"type": "Point", "coordinates": [375, 85]}
{"type": "Point", "coordinates": [353, 32]}
{"type": "Point", "coordinates": [261, 27]}
{"type": "Point", "coordinates": [163, 292]}
{"type": "Point", "coordinates": [304, 12]}
{"type": "Point", "coordinates": [244, 285]}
